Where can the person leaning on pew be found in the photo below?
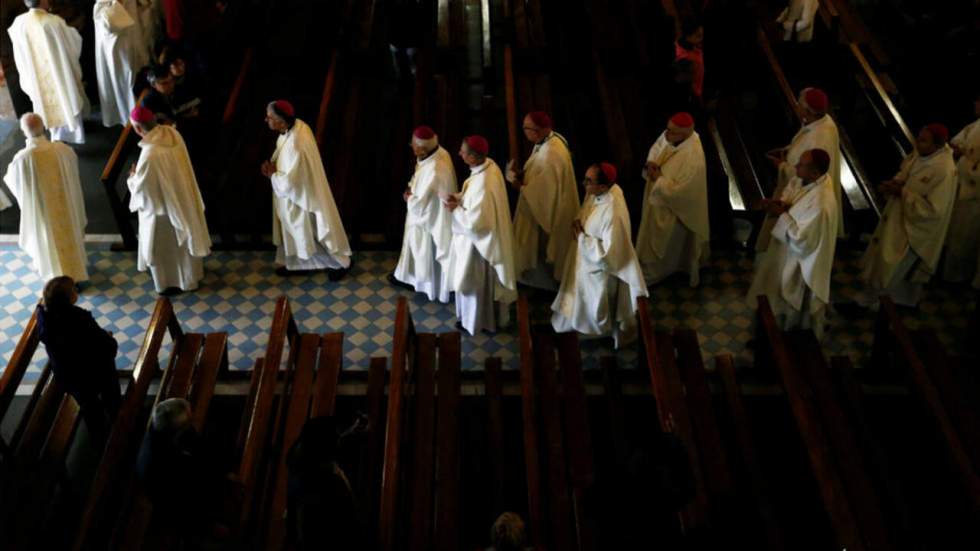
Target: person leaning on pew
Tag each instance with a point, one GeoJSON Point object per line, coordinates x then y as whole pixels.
{"type": "Point", "coordinates": [90, 378]}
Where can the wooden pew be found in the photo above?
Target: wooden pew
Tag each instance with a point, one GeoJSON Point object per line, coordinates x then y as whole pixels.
{"type": "Point", "coordinates": [422, 436]}
{"type": "Point", "coordinates": [756, 484]}
{"type": "Point", "coordinates": [17, 366]}
{"type": "Point", "coordinates": [369, 475]}
{"type": "Point", "coordinates": [121, 448]}
{"type": "Point", "coordinates": [893, 346]}
{"type": "Point", "coordinates": [449, 498]}
{"type": "Point", "coordinates": [125, 145]}
{"type": "Point", "coordinates": [770, 342]}
{"type": "Point", "coordinates": [532, 458]}
{"type": "Point", "coordinates": [495, 431]}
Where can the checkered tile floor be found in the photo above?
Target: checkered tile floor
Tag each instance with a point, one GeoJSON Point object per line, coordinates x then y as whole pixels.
{"type": "Point", "coordinates": [240, 289]}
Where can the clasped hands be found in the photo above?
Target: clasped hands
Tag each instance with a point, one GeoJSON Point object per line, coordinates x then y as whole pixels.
{"type": "Point", "coordinates": [268, 169]}
{"type": "Point", "coordinates": [577, 228]}
{"type": "Point", "coordinates": [774, 207]}
{"type": "Point", "coordinates": [891, 188]}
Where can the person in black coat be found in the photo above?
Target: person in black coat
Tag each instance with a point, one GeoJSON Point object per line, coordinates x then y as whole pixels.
{"type": "Point", "coordinates": [82, 355]}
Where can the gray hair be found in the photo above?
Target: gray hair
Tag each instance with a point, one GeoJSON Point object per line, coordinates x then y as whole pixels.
{"type": "Point", "coordinates": [32, 125]}
{"type": "Point", "coordinates": [172, 415]}
{"type": "Point", "coordinates": [33, 3]}
{"type": "Point", "coordinates": [508, 532]}
{"type": "Point", "coordinates": [145, 126]}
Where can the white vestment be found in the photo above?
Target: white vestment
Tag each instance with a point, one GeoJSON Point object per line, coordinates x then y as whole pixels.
{"type": "Point", "coordinates": [46, 52]}
{"type": "Point", "coordinates": [795, 271]}
{"type": "Point", "coordinates": [963, 241]}
{"type": "Point", "coordinates": [116, 54]}
{"type": "Point", "coordinates": [905, 248]}
{"type": "Point", "coordinates": [547, 205]}
{"type": "Point", "coordinates": [673, 234]}
{"type": "Point", "coordinates": [306, 225]}
{"type": "Point", "coordinates": [481, 260]}
{"type": "Point", "coordinates": [819, 134]}
{"type": "Point", "coordinates": [799, 17]}
{"type": "Point", "coordinates": [602, 277]}
{"type": "Point", "coordinates": [428, 227]}
{"type": "Point", "coordinates": [173, 234]}
{"type": "Point", "coordinates": [148, 15]}
{"type": "Point", "coordinates": [44, 179]}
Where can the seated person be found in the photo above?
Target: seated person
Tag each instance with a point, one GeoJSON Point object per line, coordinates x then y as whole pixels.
{"type": "Point", "coordinates": [82, 355]}
{"type": "Point", "coordinates": [320, 502]}
{"type": "Point", "coordinates": [186, 98]}
{"type": "Point", "coordinates": [507, 533]}
{"type": "Point", "coordinates": [160, 98]}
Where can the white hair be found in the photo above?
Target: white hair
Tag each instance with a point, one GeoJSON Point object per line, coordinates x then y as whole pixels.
{"type": "Point", "coordinates": [31, 125]}
{"type": "Point", "coordinates": [429, 144]}
{"type": "Point", "coordinates": [172, 414]}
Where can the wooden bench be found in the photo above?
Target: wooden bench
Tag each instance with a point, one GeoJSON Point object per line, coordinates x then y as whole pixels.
{"type": "Point", "coordinates": [13, 374]}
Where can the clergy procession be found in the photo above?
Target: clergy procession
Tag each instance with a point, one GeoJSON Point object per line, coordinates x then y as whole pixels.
{"type": "Point", "coordinates": [382, 275]}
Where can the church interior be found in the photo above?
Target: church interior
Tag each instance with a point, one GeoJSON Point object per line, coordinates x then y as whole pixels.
{"type": "Point", "coordinates": [715, 425]}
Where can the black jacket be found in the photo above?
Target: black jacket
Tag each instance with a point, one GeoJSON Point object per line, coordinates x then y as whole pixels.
{"type": "Point", "coordinates": [82, 354]}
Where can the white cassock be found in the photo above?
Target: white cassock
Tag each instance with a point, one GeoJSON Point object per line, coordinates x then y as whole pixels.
{"type": "Point", "coordinates": [602, 277]}
{"type": "Point", "coordinates": [43, 177]}
{"type": "Point", "coordinates": [819, 134]}
{"type": "Point", "coordinates": [674, 233]}
{"type": "Point", "coordinates": [428, 227]}
{"type": "Point", "coordinates": [799, 17]}
{"type": "Point", "coordinates": [481, 261]}
{"type": "Point", "coordinates": [547, 205]}
{"type": "Point", "coordinates": [116, 47]}
{"type": "Point", "coordinates": [173, 234]}
{"type": "Point", "coordinates": [794, 272]}
{"type": "Point", "coordinates": [148, 14]}
{"type": "Point", "coordinates": [905, 248]}
{"type": "Point", "coordinates": [46, 52]}
{"type": "Point", "coordinates": [306, 226]}
{"type": "Point", "coordinates": [963, 240]}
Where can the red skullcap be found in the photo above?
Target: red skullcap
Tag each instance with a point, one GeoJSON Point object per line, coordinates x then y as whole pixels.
{"type": "Point", "coordinates": [609, 171]}
{"type": "Point", "coordinates": [816, 99]}
{"type": "Point", "coordinates": [682, 119]}
{"type": "Point", "coordinates": [540, 119]}
{"type": "Point", "coordinates": [142, 115]}
{"type": "Point", "coordinates": [939, 132]}
{"type": "Point", "coordinates": [284, 107]}
{"type": "Point", "coordinates": [477, 144]}
{"type": "Point", "coordinates": [424, 133]}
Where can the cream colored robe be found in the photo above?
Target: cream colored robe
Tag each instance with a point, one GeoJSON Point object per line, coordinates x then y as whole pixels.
{"type": "Point", "coordinates": [481, 261]}
{"type": "Point", "coordinates": [963, 241]}
{"type": "Point", "coordinates": [46, 52]}
{"type": "Point", "coordinates": [674, 231]}
{"type": "Point", "coordinates": [173, 233]}
{"type": "Point", "coordinates": [44, 179]}
{"type": "Point", "coordinates": [116, 56]}
{"type": "Point", "coordinates": [795, 272]}
{"type": "Point", "coordinates": [799, 16]}
{"type": "Point", "coordinates": [602, 277]}
{"type": "Point", "coordinates": [547, 205]}
{"type": "Point", "coordinates": [905, 248]}
{"type": "Point", "coordinates": [306, 225]}
{"type": "Point", "coordinates": [428, 227]}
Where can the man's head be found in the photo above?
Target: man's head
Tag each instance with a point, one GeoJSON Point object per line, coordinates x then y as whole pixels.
{"type": "Point", "coordinates": [599, 178]}
{"type": "Point", "coordinates": [31, 125]}
{"type": "Point", "coordinates": [507, 533]}
{"type": "Point", "coordinates": [814, 103]}
{"type": "Point", "coordinates": [812, 165]}
{"type": "Point", "coordinates": [474, 150]}
{"type": "Point", "coordinates": [59, 293]}
{"type": "Point", "coordinates": [173, 59]}
{"type": "Point", "coordinates": [692, 32]}
{"type": "Point", "coordinates": [537, 126]}
{"type": "Point", "coordinates": [39, 4]}
{"type": "Point", "coordinates": [931, 138]}
{"type": "Point", "coordinates": [161, 79]}
{"type": "Point", "coordinates": [143, 120]}
{"type": "Point", "coordinates": [172, 415]}
{"type": "Point", "coordinates": [424, 141]}
{"type": "Point", "coordinates": [679, 128]}
{"type": "Point", "coordinates": [280, 116]}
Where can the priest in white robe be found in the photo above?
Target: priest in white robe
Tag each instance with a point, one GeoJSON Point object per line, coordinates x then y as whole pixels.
{"type": "Point", "coordinates": [905, 248]}
{"type": "Point", "coordinates": [481, 261]}
{"type": "Point", "coordinates": [819, 131]}
{"type": "Point", "coordinates": [547, 204]}
{"type": "Point", "coordinates": [306, 226]}
{"type": "Point", "coordinates": [43, 178]}
{"type": "Point", "coordinates": [46, 53]}
{"type": "Point", "coordinates": [797, 20]}
{"type": "Point", "coordinates": [173, 233]}
{"type": "Point", "coordinates": [963, 241]}
{"type": "Point", "coordinates": [428, 225]}
{"type": "Point", "coordinates": [117, 53]}
{"type": "Point", "coordinates": [794, 272]}
{"type": "Point", "coordinates": [674, 232]}
{"type": "Point", "coordinates": [602, 278]}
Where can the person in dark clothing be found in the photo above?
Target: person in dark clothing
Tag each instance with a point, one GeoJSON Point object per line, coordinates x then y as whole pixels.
{"type": "Point", "coordinates": [160, 98]}
{"type": "Point", "coordinates": [82, 355]}
{"type": "Point", "coordinates": [321, 510]}
{"type": "Point", "coordinates": [186, 98]}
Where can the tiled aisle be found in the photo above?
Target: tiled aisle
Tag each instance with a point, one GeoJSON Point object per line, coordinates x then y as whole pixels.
{"type": "Point", "coordinates": [240, 289]}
